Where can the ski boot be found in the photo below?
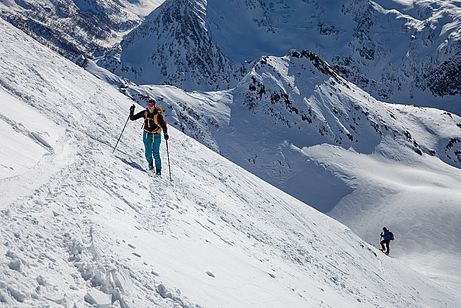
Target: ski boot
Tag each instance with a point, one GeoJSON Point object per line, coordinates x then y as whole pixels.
{"type": "Point", "coordinates": [151, 166]}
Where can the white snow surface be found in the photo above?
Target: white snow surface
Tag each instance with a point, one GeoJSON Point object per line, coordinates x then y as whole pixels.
{"type": "Point", "coordinates": [83, 226]}
{"type": "Point", "coordinates": [22, 128]}
{"type": "Point", "coordinates": [144, 7]}
{"type": "Point", "coordinates": [323, 140]}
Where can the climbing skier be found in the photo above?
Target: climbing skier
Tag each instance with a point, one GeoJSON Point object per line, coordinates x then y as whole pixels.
{"type": "Point", "coordinates": [153, 126]}
{"type": "Point", "coordinates": [386, 237]}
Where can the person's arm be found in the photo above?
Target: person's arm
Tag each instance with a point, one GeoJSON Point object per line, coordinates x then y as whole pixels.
{"type": "Point", "coordinates": [163, 124]}
{"type": "Point", "coordinates": [133, 116]}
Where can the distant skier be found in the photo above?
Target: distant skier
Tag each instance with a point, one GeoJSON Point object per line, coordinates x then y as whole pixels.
{"type": "Point", "coordinates": [153, 126]}
{"type": "Point", "coordinates": [386, 237]}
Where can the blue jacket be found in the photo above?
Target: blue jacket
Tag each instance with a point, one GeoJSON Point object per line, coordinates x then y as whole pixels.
{"type": "Point", "coordinates": [386, 235]}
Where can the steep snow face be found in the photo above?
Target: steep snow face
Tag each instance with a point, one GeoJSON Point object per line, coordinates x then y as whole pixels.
{"type": "Point", "coordinates": [77, 27]}
{"type": "Point", "coordinates": [86, 227]}
{"type": "Point", "coordinates": [286, 116]}
{"type": "Point", "coordinates": [409, 56]}
{"type": "Point", "coordinates": [173, 46]}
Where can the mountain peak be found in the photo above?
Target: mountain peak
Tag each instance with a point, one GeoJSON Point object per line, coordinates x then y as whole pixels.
{"type": "Point", "coordinates": [84, 226]}
{"type": "Point", "coordinates": [320, 64]}
{"type": "Point", "coordinates": [173, 46]}
{"type": "Point", "coordinates": [388, 53]}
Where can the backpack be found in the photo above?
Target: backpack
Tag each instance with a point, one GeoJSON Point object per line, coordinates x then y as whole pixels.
{"type": "Point", "coordinates": [391, 235]}
{"type": "Point", "coordinates": [159, 110]}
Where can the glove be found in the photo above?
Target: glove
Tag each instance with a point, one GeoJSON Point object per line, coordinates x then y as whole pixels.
{"type": "Point", "coordinates": [132, 108]}
{"type": "Point", "coordinates": [166, 136]}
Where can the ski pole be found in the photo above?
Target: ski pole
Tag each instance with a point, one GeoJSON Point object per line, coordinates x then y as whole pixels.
{"type": "Point", "coordinates": [168, 155]}
{"type": "Point", "coordinates": [121, 134]}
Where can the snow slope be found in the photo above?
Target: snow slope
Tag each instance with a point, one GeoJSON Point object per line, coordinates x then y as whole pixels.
{"type": "Point", "coordinates": [288, 106]}
{"type": "Point", "coordinates": [85, 227]}
{"type": "Point", "coordinates": [418, 199]}
{"type": "Point", "coordinates": [21, 129]}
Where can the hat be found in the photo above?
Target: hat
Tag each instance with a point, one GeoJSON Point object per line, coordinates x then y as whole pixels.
{"type": "Point", "coordinates": [151, 102]}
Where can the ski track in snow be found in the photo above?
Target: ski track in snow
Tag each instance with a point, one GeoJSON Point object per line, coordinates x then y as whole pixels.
{"type": "Point", "coordinates": [82, 227]}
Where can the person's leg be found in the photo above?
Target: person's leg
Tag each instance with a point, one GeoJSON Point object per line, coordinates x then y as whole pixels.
{"type": "Point", "coordinates": [387, 247]}
{"type": "Point", "coordinates": [382, 245]}
{"type": "Point", "coordinates": [158, 161]}
{"type": "Point", "coordinates": [147, 139]}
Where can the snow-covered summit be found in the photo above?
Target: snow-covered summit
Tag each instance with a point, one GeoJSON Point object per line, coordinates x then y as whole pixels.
{"type": "Point", "coordinates": [302, 94]}
{"type": "Point", "coordinates": [173, 46]}
{"type": "Point", "coordinates": [394, 55]}
{"type": "Point", "coordinates": [85, 227]}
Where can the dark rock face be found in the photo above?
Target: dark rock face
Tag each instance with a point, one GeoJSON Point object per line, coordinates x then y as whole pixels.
{"type": "Point", "coordinates": [446, 79]}
{"type": "Point", "coordinates": [420, 55]}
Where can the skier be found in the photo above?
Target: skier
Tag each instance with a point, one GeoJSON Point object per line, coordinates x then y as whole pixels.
{"type": "Point", "coordinates": [153, 126]}
{"type": "Point", "coordinates": [386, 237]}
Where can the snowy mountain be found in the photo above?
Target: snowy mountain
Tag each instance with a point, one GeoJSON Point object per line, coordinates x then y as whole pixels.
{"type": "Point", "coordinates": [407, 56]}
{"type": "Point", "coordinates": [78, 27]}
{"type": "Point", "coordinates": [294, 122]}
{"type": "Point", "coordinates": [174, 46]}
{"type": "Point", "coordinates": [81, 226]}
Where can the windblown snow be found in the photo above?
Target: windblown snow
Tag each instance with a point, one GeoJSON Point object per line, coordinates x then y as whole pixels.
{"type": "Point", "coordinates": [82, 226]}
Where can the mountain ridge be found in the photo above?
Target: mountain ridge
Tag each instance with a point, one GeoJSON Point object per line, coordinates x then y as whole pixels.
{"type": "Point", "coordinates": [91, 228]}
{"type": "Point", "coordinates": [176, 49]}
{"type": "Point", "coordinates": [76, 28]}
{"type": "Point", "coordinates": [390, 54]}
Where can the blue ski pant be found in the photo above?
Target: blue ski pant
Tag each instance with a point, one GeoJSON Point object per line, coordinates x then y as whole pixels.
{"type": "Point", "coordinates": [152, 147]}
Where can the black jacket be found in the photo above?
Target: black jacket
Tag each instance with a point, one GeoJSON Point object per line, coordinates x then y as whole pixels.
{"type": "Point", "coordinates": [149, 121]}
